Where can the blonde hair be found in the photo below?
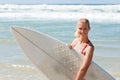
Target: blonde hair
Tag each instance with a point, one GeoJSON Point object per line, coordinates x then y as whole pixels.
{"type": "Point", "coordinates": [84, 21]}
{"type": "Point", "coordinates": [77, 34]}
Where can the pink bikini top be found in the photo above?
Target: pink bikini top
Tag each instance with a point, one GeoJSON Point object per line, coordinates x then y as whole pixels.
{"type": "Point", "coordinates": [85, 47]}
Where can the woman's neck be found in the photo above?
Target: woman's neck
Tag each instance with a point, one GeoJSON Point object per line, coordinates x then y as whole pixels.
{"type": "Point", "coordinates": [83, 39]}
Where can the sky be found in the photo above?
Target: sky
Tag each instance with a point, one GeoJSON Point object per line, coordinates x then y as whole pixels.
{"type": "Point", "coordinates": [59, 1]}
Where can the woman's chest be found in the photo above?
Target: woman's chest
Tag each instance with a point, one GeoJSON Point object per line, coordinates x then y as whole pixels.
{"type": "Point", "coordinates": [79, 47]}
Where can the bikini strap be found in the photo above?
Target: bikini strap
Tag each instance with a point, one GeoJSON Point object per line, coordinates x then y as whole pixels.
{"type": "Point", "coordinates": [85, 47]}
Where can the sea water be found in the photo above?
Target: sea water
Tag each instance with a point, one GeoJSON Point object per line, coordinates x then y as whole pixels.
{"type": "Point", "coordinates": [58, 21]}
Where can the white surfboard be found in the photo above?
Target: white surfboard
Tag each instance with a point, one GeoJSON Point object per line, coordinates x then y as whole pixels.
{"type": "Point", "coordinates": [54, 58]}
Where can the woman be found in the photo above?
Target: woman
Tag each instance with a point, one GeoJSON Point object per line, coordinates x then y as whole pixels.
{"type": "Point", "coordinates": [83, 45]}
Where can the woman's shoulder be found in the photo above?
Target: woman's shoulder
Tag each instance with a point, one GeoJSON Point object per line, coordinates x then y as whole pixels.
{"type": "Point", "coordinates": [90, 49]}
{"type": "Point", "coordinates": [90, 45]}
{"type": "Point", "coordinates": [76, 39]}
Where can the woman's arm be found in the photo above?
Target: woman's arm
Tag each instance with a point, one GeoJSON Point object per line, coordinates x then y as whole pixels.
{"type": "Point", "coordinates": [86, 63]}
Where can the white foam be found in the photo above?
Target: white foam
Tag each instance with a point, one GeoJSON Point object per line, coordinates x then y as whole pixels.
{"type": "Point", "coordinates": [100, 13]}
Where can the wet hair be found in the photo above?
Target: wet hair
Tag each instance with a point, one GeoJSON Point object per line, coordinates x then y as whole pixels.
{"type": "Point", "coordinates": [85, 21]}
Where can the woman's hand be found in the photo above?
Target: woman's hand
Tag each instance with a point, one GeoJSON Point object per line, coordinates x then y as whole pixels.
{"type": "Point", "coordinates": [69, 46]}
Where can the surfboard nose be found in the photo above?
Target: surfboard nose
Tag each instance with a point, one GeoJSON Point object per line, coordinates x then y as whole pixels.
{"type": "Point", "coordinates": [15, 28]}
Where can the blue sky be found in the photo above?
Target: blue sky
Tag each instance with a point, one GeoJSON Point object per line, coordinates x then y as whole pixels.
{"type": "Point", "coordinates": [59, 1]}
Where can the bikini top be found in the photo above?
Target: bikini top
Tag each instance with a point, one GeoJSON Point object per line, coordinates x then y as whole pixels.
{"type": "Point", "coordinates": [82, 51]}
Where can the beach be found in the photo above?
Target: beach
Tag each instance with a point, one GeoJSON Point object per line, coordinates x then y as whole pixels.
{"type": "Point", "coordinates": [58, 21]}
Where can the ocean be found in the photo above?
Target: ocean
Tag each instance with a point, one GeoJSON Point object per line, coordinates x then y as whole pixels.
{"type": "Point", "coordinates": [58, 21]}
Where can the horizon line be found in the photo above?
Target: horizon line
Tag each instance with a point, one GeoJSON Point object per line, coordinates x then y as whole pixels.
{"type": "Point", "coordinates": [62, 4]}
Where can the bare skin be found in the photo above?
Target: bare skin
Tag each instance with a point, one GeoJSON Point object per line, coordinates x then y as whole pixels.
{"type": "Point", "coordinates": [83, 45]}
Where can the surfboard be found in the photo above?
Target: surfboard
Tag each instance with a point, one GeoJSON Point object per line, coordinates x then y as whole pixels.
{"type": "Point", "coordinates": [54, 58]}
